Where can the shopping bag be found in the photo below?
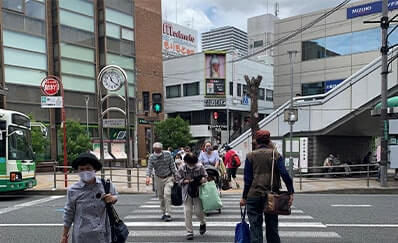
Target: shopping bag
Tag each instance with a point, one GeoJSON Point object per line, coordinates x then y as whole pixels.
{"type": "Point", "coordinates": [225, 183]}
{"type": "Point", "coordinates": [242, 230]}
{"type": "Point", "coordinates": [176, 195]}
{"type": "Point", "coordinates": [208, 194]}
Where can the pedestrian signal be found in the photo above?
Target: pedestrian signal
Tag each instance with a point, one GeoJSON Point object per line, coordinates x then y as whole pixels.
{"type": "Point", "coordinates": [157, 102]}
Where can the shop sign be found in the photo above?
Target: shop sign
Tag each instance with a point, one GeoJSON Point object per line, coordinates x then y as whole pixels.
{"type": "Point", "coordinates": [370, 8]}
{"type": "Point", "coordinates": [215, 102]}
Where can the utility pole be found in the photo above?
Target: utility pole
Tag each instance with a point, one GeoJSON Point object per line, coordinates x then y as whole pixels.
{"type": "Point", "coordinates": [384, 74]}
{"type": "Point", "coordinates": [292, 118]}
{"type": "Point", "coordinates": [253, 84]}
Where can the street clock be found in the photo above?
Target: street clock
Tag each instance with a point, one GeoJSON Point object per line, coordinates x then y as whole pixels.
{"type": "Point", "coordinates": [112, 78]}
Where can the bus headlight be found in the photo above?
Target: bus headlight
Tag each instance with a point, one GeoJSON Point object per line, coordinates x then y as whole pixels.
{"type": "Point", "coordinates": [15, 176]}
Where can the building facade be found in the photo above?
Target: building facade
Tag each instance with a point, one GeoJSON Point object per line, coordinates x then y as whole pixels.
{"type": "Point", "coordinates": [260, 32]}
{"type": "Point", "coordinates": [178, 40]}
{"type": "Point", "coordinates": [330, 51]}
{"type": "Point", "coordinates": [71, 39]}
{"type": "Point", "coordinates": [216, 106]}
{"type": "Point", "coordinates": [225, 39]}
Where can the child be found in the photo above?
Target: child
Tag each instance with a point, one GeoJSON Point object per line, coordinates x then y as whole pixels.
{"type": "Point", "coordinates": [191, 176]}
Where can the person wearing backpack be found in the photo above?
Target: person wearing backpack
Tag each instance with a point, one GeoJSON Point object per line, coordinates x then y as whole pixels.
{"type": "Point", "coordinates": [232, 162]}
{"type": "Point", "coordinates": [191, 175]}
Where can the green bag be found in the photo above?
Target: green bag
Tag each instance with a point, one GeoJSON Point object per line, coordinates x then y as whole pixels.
{"type": "Point", "coordinates": [208, 194]}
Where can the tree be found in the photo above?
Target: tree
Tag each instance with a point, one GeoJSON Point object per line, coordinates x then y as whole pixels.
{"type": "Point", "coordinates": [40, 142]}
{"type": "Point", "coordinates": [77, 140]}
{"type": "Point", "coordinates": [253, 84]}
{"type": "Point", "coordinates": [173, 132]}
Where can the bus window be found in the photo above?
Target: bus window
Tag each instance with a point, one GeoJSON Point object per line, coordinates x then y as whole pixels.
{"type": "Point", "coordinates": [3, 140]}
{"type": "Point", "coordinates": [19, 145]}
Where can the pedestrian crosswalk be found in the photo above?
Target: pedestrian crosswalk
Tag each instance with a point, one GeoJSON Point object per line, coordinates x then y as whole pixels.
{"type": "Point", "coordinates": [145, 225]}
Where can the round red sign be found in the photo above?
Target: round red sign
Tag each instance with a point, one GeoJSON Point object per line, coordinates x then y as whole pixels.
{"type": "Point", "coordinates": [50, 86]}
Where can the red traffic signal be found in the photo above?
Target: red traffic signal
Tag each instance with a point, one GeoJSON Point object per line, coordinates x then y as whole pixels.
{"type": "Point", "coordinates": [215, 115]}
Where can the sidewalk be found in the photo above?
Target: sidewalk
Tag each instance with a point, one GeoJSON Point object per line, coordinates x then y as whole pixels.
{"type": "Point", "coordinates": [45, 184]}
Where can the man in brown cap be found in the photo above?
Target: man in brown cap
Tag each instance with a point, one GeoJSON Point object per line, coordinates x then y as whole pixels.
{"type": "Point", "coordinates": [257, 178]}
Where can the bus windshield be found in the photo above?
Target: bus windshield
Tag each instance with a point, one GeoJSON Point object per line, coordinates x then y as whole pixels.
{"type": "Point", "coordinates": [19, 141]}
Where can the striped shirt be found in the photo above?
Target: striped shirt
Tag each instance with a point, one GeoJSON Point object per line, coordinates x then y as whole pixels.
{"type": "Point", "coordinates": [163, 165]}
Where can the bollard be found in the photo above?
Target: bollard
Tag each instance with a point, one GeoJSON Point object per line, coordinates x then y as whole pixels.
{"type": "Point", "coordinates": [110, 172]}
{"type": "Point", "coordinates": [55, 177]}
{"type": "Point", "coordinates": [368, 176]}
{"type": "Point", "coordinates": [301, 180]}
{"type": "Point", "coordinates": [138, 179]}
{"type": "Point", "coordinates": [129, 178]}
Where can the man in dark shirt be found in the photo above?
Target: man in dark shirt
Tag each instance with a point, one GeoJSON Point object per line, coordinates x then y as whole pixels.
{"type": "Point", "coordinates": [257, 178]}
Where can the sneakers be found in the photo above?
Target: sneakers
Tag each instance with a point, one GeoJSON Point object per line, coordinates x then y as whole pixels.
{"type": "Point", "coordinates": [167, 218]}
{"type": "Point", "coordinates": [163, 217]}
{"type": "Point", "coordinates": [190, 236]}
{"type": "Point", "coordinates": [202, 229]}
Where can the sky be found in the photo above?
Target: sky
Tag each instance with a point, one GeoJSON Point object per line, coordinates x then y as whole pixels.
{"type": "Point", "coordinates": [204, 15]}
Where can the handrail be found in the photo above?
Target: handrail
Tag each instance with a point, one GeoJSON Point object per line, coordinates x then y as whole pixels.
{"type": "Point", "coordinates": [323, 98]}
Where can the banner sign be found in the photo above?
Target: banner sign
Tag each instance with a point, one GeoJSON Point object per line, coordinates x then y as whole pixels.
{"type": "Point", "coordinates": [215, 73]}
{"type": "Point", "coordinates": [178, 40]}
{"type": "Point", "coordinates": [51, 102]}
{"type": "Point", "coordinates": [330, 84]}
{"type": "Point", "coordinates": [215, 87]}
{"type": "Point", "coordinates": [370, 8]}
{"type": "Point", "coordinates": [114, 123]}
{"type": "Point", "coordinates": [216, 102]}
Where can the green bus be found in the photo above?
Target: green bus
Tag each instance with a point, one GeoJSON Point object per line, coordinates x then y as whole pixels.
{"type": "Point", "coordinates": [17, 165]}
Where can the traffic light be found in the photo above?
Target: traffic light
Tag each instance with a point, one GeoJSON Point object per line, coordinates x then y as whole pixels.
{"type": "Point", "coordinates": [157, 102]}
{"type": "Point", "coordinates": [215, 115]}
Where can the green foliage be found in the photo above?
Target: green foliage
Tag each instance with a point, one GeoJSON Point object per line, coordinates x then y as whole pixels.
{"type": "Point", "coordinates": [40, 144]}
{"type": "Point", "coordinates": [77, 140]}
{"type": "Point", "coordinates": [173, 132]}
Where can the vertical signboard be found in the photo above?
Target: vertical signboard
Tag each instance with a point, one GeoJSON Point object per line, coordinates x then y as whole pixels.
{"type": "Point", "coordinates": [215, 76]}
{"type": "Point", "coordinates": [304, 154]}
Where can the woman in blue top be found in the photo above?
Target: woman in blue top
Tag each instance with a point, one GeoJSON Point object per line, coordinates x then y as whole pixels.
{"type": "Point", "coordinates": [209, 157]}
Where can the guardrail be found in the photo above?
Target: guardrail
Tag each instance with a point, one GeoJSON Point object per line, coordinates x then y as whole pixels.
{"type": "Point", "coordinates": [108, 172]}
{"type": "Point", "coordinates": [347, 172]}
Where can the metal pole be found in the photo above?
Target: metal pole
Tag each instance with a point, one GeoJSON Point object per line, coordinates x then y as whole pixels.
{"type": "Point", "coordinates": [86, 99]}
{"type": "Point", "coordinates": [291, 107]}
{"type": "Point", "coordinates": [55, 177]}
{"type": "Point", "coordinates": [127, 109]}
{"type": "Point", "coordinates": [384, 73]}
{"type": "Point", "coordinates": [228, 123]}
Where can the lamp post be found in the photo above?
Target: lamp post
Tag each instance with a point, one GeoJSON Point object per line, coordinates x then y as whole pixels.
{"type": "Point", "coordinates": [86, 99]}
{"type": "Point", "coordinates": [292, 116]}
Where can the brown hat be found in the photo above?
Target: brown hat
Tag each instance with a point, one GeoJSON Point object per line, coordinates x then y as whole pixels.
{"type": "Point", "coordinates": [87, 158]}
{"type": "Point", "coordinates": [262, 134]}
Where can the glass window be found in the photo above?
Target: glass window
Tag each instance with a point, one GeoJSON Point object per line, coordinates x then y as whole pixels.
{"type": "Point", "coordinates": [16, 5]}
{"type": "Point", "coordinates": [76, 20]}
{"type": "Point", "coordinates": [261, 94]}
{"type": "Point", "coordinates": [191, 89]}
{"type": "Point", "coordinates": [119, 46]}
{"type": "Point", "coordinates": [231, 88]}
{"type": "Point", "coordinates": [124, 62]}
{"type": "Point", "coordinates": [313, 49]}
{"type": "Point", "coordinates": [25, 59]}
{"type": "Point", "coordinates": [258, 43]}
{"type": "Point", "coordinates": [269, 95]}
{"type": "Point", "coordinates": [200, 117]}
{"type": "Point", "coordinates": [127, 34]}
{"type": "Point", "coordinates": [19, 146]}
{"type": "Point", "coordinates": [24, 41]}
{"type": "Point", "coordinates": [122, 5]}
{"type": "Point", "coordinates": [119, 18]}
{"type": "Point", "coordinates": [24, 76]}
{"type": "Point", "coordinates": [239, 90]}
{"type": "Point", "coordinates": [24, 24]}
{"type": "Point", "coordinates": [35, 9]}
{"type": "Point", "coordinates": [393, 38]}
{"type": "Point", "coordinates": [130, 77]}
{"type": "Point", "coordinates": [78, 83]}
{"type": "Point", "coordinates": [313, 88]}
{"type": "Point", "coordinates": [77, 52]}
{"type": "Point", "coordinates": [113, 30]}
{"type": "Point", "coordinates": [145, 98]}
{"type": "Point", "coordinates": [173, 91]}
{"type": "Point", "coordinates": [338, 45]}
{"type": "Point", "coordinates": [79, 6]}
{"type": "Point", "coordinates": [76, 36]}
{"type": "Point", "coordinates": [246, 91]}
{"type": "Point", "coordinates": [367, 40]}
{"type": "Point", "coordinates": [77, 68]}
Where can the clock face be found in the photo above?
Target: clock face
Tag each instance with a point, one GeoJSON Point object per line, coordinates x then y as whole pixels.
{"type": "Point", "coordinates": [112, 80]}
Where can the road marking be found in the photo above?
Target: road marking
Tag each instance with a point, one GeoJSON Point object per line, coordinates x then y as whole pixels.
{"type": "Point", "coordinates": [29, 204]}
{"type": "Point", "coordinates": [237, 217]}
{"type": "Point", "coordinates": [364, 225]}
{"type": "Point", "coordinates": [223, 224]}
{"type": "Point", "coordinates": [352, 205]}
{"type": "Point", "coordinates": [181, 211]}
{"type": "Point", "coordinates": [284, 234]}
{"type": "Point", "coordinates": [31, 225]}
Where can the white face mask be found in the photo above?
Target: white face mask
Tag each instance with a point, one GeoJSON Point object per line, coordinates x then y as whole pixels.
{"type": "Point", "coordinates": [157, 154]}
{"type": "Point", "coordinates": [87, 176]}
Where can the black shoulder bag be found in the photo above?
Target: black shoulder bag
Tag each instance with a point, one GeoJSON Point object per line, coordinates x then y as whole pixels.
{"type": "Point", "coordinates": [119, 231]}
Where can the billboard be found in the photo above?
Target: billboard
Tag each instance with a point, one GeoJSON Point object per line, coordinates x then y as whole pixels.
{"type": "Point", "coordinates": [215, 73]}
{"type": "Point", "coordinates": [178, 40]}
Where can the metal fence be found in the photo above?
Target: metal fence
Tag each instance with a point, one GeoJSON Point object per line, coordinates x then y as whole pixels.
{"type": "Point", "coordinates": [346, 170]}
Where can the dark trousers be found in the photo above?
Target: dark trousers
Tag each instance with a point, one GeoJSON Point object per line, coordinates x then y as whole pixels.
{"type": "Point", "coordinates": [231, 173]}
{"type": "Point", "coordinates": [255, 213]}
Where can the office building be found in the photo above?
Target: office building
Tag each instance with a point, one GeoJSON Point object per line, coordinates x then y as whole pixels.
{"type": "Point", "coordinates": [225, 39]}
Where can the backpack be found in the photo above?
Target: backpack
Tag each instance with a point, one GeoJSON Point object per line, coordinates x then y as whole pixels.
{"type": "Point", "coordinates": [235, 161]}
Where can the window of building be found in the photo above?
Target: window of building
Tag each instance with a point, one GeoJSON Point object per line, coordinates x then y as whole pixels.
{"type": "Point", "coordinates": [23, 41]}
{"type": "Point", "coordinates": [313, 88]}
{"type": "Point", "coordinates": [77, 52]}
{"type": "Point", "coordinates": [14, 21]}
{"type": "Point", "coordinates": [269, 95]}
{"type": "Point", "coordinates": [239, 90]}
{"type": "Point", "coordinates": [78, 37]}
{"type": "Point", "coordinates": [368, 40]}
{"type": "Point", "coordinates": [124, 62]}
{"type": "Point", "coordinates": [200, 117]}
{"type": "Point", "coordinates": [79, 6]}
{"type": "Point", "coordinates": [145, 101]}
{"type": "Point", "coordinates": [261, 94]}
{"type": "Point", "coordinates": [191, 89]}
{"type": "Point", "coordinates": [121, 5]}
{"type": "Point", "coordinates": [258, 43]}
{"type": "Point", "coordinates": [173, 91]}
{"type": "Point", "coordinates": [16, 5]}
{"type": "Point", "coordinates": [35, 9]}
{"type": "Point", "coordinates": [313, 49]}
{"type": "Point", "coordinates": [119, 18]}
{"type": "Point", "coordinates": [25, 59]}
{"type": "Point", "coordinates": [77, 21]}
{"type": "Point", "coordinates": [246, 91]}
{"type": "Point", "coordinates": [231, 88]}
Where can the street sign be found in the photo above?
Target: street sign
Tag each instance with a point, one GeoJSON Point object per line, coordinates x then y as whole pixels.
{"type": "Point", "coordinates": [51, 102]}
{"type": "Point", "coordinates": [245, 100]}
{"type": "Point", "coordinates": [143, 121]}
{"type": "Point", "coordinates": [114, 123]}
{"type": "Point", "coordinates": [50, 86]}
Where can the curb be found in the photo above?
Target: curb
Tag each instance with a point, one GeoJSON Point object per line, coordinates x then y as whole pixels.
{"type": "Point", "coordinates": [393, 190]}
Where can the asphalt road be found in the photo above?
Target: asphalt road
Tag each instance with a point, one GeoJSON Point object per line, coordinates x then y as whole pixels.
{"type": "Point", "coordinates": [315, 218]}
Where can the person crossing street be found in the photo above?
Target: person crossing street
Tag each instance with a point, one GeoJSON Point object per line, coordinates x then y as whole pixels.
{"type": "Point", "coordinates": [163, 165]}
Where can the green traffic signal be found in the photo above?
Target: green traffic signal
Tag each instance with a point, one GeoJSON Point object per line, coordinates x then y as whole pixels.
{"type": "Point", "coordinates": [157, 108]}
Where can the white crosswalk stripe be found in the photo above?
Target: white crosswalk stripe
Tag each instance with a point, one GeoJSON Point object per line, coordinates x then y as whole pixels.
{"type": "Point", "coordinates": [146, 225]}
